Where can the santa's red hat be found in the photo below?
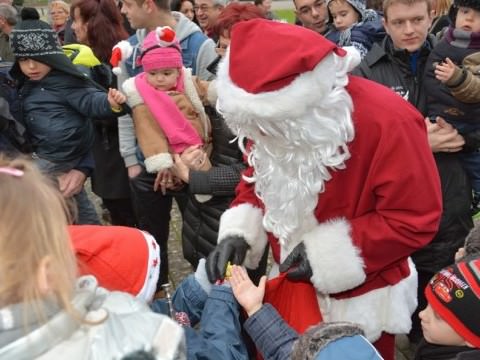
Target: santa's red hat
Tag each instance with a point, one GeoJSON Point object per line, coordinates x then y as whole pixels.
{"type": "Point", "coordinates": [272, 69]}
{"type": "Point", "coordinates": [120, 52]}
{"type": "Point", "coordinates": [121, 258]}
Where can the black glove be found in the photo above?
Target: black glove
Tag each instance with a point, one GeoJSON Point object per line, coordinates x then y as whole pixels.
{"type": "Point", "coordinates": [297, 265]}
{"type": "Point", "coordinates": [233, 249]}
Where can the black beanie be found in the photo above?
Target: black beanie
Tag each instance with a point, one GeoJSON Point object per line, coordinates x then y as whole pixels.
{"type": "Point", "coordinates": [472, 4]}
{"type": "Point", "coordinates": [35, 39]}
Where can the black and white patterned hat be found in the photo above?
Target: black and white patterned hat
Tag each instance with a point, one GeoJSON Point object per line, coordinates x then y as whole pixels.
{"type": "Point", "coordinates": [35, 39]}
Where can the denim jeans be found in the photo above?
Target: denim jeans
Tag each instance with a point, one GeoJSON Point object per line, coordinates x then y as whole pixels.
{"type": "Point", "coordinates": [87, 214]}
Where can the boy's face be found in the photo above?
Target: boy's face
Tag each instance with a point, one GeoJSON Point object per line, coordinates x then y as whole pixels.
{"type": "Point", "coordinates": [343, 14]}
{"type": "Point", "coordinates": [33, 69]}
{"type": "Point", "coordinates": [163, 79]}
{"type": "Point", "coordinates": [437, 331]}
{"type": "Point", "coordinates": [468, 19]}
{"type": "Point", "coordinates": [137, 15]}
{"type": "Point", "coordinates": [408, 24]}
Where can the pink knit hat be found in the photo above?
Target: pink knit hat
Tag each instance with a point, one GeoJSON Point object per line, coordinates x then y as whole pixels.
{"type": "Point", "coordinates": [161, 50]}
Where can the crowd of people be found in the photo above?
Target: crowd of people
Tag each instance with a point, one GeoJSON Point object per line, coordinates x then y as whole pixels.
{"type": "Point", "coordinates": [345, 146]}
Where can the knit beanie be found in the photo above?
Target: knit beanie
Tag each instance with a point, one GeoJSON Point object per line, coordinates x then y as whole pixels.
{"type": "Point", "coordinates": [161, 50]}
{"type": "Point", "coordinates": [454, 293]}
{"type": "Point", "coordinates": [472, 4]}
{"type": "Point", "coordinates": [35, 39]}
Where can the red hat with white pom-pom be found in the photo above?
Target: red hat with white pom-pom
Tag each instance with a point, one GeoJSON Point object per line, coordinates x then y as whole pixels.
{"type": "Point", "coordinates": [161, 50]}
{"type": "Point", "coordinates": [120, 52]}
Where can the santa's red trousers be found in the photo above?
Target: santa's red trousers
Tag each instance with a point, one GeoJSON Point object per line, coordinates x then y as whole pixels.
{"type": "Point", "coordinates": [386, 346]}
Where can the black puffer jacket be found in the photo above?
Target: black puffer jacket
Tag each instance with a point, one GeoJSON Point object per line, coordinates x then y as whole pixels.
{"type": "Point", "coordinates": [392, 68]}
{"type": "Point", "coordinates": [201, 220]}
{"type": "Point", "coordinates": [56, 112]}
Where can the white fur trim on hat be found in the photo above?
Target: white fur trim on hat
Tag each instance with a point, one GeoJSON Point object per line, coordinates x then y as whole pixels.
{"type": "Point", "coordinates": [290, 101]}
{"type": "Point", "coordinates": [120, 52]}
{"type": "Point", "coordinates": [153, 269]}
{"type": "Point", "coordinates": [158, 162]}
{"type": "Point", "coordinates": [133, 96]}
{"type": "Point", "coordinates": [336, 262]}
{"type": "Point", "coordinates": [245, 220]}
{"type": "Point", "coordinates": [388, 309]}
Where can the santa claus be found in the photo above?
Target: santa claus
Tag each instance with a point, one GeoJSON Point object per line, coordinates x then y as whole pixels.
{"type": "Point", "coordinates": [342, 181]}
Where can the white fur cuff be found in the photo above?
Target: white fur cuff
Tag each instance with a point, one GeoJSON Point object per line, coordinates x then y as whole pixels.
{"type": "Point", "coordinates": [336, 262]}
{"type": "Point", "coordinates": [158, 162]}
{"type": "Point", "coordinates": [133, 96]}
{"type": "Point", "coordinates": [245, 220]}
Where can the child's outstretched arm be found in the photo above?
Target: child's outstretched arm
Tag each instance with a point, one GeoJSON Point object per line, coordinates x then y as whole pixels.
{"type": "Point", "coordinates": [116, 99]}
{"type": "Point", "coordinates": [249, 296]}
{"type": "Point", "coordinates": [271, 334]}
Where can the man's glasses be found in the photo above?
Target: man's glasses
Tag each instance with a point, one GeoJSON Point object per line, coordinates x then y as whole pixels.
{"type": "Point", "coordinates": [202, 8]}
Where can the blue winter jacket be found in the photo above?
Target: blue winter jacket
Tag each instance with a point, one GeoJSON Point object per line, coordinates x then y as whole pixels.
{"type": "Point", "coordinates": [218, 316]}
{"type": "Point", "coordinates": [56, 113]}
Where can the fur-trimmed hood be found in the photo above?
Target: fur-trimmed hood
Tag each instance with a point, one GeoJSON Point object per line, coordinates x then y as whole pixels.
{"type": "Point", "coordinates": [329, 341]}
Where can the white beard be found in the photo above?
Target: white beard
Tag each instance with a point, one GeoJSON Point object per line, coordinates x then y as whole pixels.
{"type": "Point", "coordinates": [292, 159]}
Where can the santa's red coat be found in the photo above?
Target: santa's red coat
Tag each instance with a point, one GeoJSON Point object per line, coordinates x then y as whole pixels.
{"type": "Point", "coordinates": [372, 216]}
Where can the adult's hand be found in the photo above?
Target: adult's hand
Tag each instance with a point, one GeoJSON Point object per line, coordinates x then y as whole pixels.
{"type": "Point", "coordinates": [194, 157]}
{"type": "Point", "coordinates": [296, 265]}
{"type": "Point", "coordinates": [443, 137]}
{"type": "Point", "coordinates": [233, 249]}
{"type": "Point", "coordinates": [164, 181]}
{"type": "Point", "coordinates": [180, 169]}
{"type": "Point", "coordinates": [134, 171]}
{"type": "Point", "coordinates": [71, 183]}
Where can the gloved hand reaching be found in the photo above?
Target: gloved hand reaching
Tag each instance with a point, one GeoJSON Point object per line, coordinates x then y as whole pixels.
{"type": "Point", "coordinates": [233, 249]}
{"type": "Point", "coordinates": [296, 265]}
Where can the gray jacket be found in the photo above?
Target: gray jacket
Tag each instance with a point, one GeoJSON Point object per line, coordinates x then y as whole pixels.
{"type": "Point", "coordinates": [114, 324]}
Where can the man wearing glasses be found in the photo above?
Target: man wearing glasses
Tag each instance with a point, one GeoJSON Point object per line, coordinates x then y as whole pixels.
{"type": "Point", "coordinates": [207, 12]}
{"type": "Point", "coordinates": [313, 14]}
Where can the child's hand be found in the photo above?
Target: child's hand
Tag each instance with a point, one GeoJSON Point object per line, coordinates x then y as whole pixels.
{"type": "Point", "coordinates": [115, 98]}
{"type": "Point", "coordinates": [444, 71]}
{"type": "Point", "coordinates": [247, 294]}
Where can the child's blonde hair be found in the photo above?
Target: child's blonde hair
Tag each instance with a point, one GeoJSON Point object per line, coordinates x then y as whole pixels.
{"type": "Point", "coordinates": [33, 227]}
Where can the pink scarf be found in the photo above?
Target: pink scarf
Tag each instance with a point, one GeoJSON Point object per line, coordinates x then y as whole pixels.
{"type": "Point", "coordinates": [178, 130]}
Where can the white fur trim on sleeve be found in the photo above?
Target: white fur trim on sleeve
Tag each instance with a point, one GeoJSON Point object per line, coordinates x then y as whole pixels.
{"type": "Point", "coordinates": [133, 96]}
{"type": "Point", "coordinates": [336, 262]}
{"type": "Point", "coordinates": [158, 162]}
{"type": "Point", "coordinates": [245, 220]}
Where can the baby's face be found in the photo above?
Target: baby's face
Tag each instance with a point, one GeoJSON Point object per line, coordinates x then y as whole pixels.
{"type": "Point", "coordinates": [468, 19]}
{"type": "Point", "coordinates": [438, 331]}
{"type": "Point", "coordinates": [163, 79]}
{"type": "Point", "coordinates": [343, 14]}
